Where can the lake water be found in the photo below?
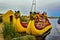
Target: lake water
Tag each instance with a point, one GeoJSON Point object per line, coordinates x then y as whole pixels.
{"type": "Point", "coordinates": [54, 35]}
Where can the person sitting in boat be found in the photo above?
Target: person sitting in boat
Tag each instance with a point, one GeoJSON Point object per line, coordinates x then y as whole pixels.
{"type": "Point", "coordinates": [37, 17]}
{"type": "Point", "coordinates": [39, 22]}
{"type": "Point", "coordinates": [44, 19]}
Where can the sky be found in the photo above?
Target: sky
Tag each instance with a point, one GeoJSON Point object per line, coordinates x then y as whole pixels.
{"type": "Point", "coordinates": [52, 7]}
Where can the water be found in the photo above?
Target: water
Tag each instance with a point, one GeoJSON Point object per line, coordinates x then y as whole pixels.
{"type": "Point", "coordinates": [54, 35]}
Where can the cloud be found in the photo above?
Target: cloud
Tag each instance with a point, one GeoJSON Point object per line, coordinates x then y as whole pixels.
{"type": "Point", "coordinates": [25, 5]}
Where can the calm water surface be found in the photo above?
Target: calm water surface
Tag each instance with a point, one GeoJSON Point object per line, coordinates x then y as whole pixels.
{"type": "Point", "coordinates": [54, 35]}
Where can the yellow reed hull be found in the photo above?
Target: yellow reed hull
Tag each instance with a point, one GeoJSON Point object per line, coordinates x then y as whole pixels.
{"type": "Point", "coordinates": [35, 31]}
{"type": "Point", "coordinates": [19, 27]}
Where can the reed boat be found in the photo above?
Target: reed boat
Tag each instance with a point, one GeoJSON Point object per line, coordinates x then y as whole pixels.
{"type": "Point", "coordinates": [22, 26]}
{"type": "Point", "coordinates": [35, 30]}
{"type": "Point", "coordinates": [39, 26]}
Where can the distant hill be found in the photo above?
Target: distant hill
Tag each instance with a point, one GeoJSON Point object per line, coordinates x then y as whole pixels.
{"type": "Point", "coordinates": [53, 17]}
